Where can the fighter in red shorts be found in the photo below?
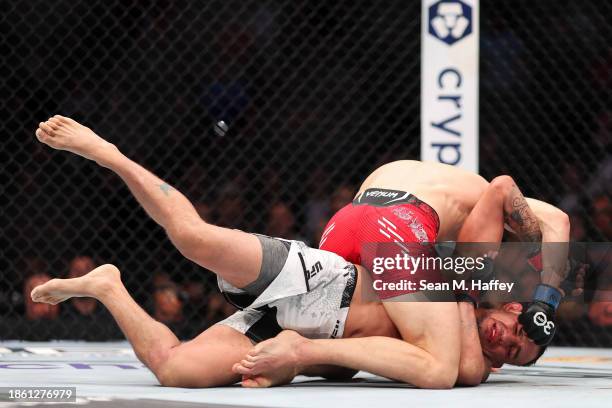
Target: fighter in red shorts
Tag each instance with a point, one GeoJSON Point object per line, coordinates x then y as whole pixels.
{"type": "Point", "coordinates": [410, 203]}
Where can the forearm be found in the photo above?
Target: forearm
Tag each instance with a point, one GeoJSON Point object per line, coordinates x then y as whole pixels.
{"type": "Point", "coordinates": [473, 368]}
{"type": "Point", "coordinates": [384, 356]}
{"type": "Point", "coordinates": [555, 227]}
{"type": "Point", "coordinates": [554, 257]}
{"type": "Point", "coordinates": [167, 206]}
{"type": "Point", "coordinates": [519, 215]}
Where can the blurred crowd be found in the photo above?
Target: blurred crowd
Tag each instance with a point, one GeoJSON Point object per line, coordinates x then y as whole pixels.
{"type": "Point", "coordinates": [316, 95]}
{"type": "Point", "coordinates": [169, 297]}
{"type": "Point", "coordinates": [176, 300]}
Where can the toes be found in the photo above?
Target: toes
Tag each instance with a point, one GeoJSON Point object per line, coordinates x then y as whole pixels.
{"type": "Point", "coordinates": [262, 382]}
{"type": "Point", "coordinates": [240, 369]}
{"type": "Point", "coordinates": [249, 383]}
{"type": "Point", "coordinates": [252, 358]}
{"type": "Point", "coordinates": [42, 135]}
{"type": "Point", "coordinates": [247, 364]}
{"type": "Point", "coordinates": [45, 126]}
{"type": "Point", "coordinates": [63, 119]}
{"type": "Point", "coordinates": [54, 122]}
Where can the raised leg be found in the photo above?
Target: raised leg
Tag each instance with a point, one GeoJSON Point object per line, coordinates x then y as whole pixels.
{"type": "Point", "coordinates": [205, 361]}
{"type": "Point", "coordinates": [234, 255]}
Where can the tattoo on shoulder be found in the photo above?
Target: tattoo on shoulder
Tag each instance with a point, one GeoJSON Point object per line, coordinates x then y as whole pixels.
{"type": "Point", "coordinates": [165, 188]}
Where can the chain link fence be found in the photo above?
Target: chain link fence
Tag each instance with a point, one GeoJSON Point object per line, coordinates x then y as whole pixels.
{"type": "Point", "coordinates": [545, 118]}
{"type": "Point", "coordinates": [315, 95]}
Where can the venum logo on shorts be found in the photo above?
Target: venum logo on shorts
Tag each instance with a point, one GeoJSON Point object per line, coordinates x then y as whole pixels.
{"type": "Point", "coordinates": [450, 20]}
{"type": "Point", "coordinates": [379, 193]}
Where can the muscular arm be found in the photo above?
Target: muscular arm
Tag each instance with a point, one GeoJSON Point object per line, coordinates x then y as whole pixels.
{"type": "Point", "coordinates": [428, 355]}
{"type": "Point", "coordinates": [473, 368]}
{"type": "Point", "coordinates": [555, 228]}
{"type": "Point", "coordinates": [535, 221]}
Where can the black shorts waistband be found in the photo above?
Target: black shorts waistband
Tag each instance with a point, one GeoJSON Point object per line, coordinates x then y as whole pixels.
{"type": "Point", "coordinates": [381, 197]}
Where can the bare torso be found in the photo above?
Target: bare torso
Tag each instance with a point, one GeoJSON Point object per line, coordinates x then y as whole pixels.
{"type": "Point", "coordinates": [451, 191]}
{"type": "Point", "coordinates": [366, 317]}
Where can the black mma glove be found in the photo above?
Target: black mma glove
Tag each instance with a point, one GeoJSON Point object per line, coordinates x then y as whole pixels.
{"type": "Point", "coordinates": [538, 319]}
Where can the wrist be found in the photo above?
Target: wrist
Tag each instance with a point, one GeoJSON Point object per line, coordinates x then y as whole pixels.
{"type": "Point", "coordinates": [551, 277]}
{"type": "Point", "coordinates": [547, 294]}
{"type": "Point", "coordinates": [304, 352]}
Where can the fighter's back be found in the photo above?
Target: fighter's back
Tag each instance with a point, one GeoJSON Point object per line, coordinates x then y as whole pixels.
{"type": "Point", "coordinates": [450, 190]}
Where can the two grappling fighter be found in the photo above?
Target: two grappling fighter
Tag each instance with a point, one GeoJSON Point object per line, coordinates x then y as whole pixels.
{"type": "Point", "coordinates": [312, 294]}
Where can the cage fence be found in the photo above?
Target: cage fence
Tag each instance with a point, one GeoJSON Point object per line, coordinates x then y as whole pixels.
{"type": "Point", "coordinates": [315, 95]}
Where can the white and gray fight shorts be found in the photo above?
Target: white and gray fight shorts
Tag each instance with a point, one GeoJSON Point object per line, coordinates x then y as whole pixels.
{"type": "Point", "coordinates": [310, 293]}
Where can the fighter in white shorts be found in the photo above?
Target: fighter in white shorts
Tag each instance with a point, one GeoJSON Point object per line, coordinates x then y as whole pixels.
{"type": "Point", "coordinates": [280, 285]}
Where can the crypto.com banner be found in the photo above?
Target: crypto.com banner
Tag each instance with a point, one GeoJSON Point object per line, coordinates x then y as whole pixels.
{"type": "Point", "coordinates": [449, 82]}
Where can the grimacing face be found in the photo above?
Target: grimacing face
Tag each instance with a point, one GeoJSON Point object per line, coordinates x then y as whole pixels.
{"type": "Point", "coordinates": [502, 337]}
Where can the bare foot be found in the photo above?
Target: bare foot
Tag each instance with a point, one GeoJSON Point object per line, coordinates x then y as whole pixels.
{"type": "Point", "coordinates": [271, 362]}
{"type": "Point", "coordinates": [64, 133]}
{"type": "Point", "coordinates": [91, 285]}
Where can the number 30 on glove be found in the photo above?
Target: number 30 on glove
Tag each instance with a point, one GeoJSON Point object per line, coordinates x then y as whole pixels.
{"type": "Point", "coordinates": [538, 319]}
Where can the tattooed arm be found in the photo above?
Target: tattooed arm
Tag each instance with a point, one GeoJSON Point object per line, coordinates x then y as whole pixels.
{"type": "Point", "coordinates": [536, 221]}
{"type": "Point", "coordinates": [519, 215]}
{"type": "Point", "coordinates": [555, 228]}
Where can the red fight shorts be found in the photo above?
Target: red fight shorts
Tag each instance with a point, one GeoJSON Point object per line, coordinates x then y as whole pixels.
{"type": "Point", "coordinates": [381, 224]}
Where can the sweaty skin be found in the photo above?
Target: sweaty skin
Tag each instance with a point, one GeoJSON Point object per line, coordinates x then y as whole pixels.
{"type": "Point", "coordinates": [456, 195]}
{"type": "Point", "coordinates": [451, 191]}
{"type": "Point", "coordinates": [427, 356]}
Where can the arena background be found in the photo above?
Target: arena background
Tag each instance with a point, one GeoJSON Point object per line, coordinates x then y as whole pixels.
{"type": "Point", "coordinates": [316, 94]}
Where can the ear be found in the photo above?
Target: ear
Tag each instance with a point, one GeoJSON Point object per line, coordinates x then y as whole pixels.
{"type": "Point", "coordinates": [513, 307]}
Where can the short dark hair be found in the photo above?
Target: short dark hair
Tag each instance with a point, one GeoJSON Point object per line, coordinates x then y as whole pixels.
{"type": "Point", "coordinates": [532, 362]}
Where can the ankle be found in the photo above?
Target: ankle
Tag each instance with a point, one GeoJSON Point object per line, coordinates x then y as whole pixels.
{"type": "Point", "coordinates": [104, 288]}
{"type": "Point", "coordinates": [106, 154]}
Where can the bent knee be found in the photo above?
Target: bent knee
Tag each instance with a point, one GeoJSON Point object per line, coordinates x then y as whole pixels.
{"type": "Point", "coordinates": [155, 358]}
{"type": "Point", "coordinates": [169, 374]}
{"type": "Point", "coordinates": [167, 378]}
{"type": "Point", "coordinates": [176, 372]}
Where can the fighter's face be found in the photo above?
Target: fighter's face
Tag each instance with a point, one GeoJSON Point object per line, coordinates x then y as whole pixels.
{"type": "Point", "coordinates": [502, 337]}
